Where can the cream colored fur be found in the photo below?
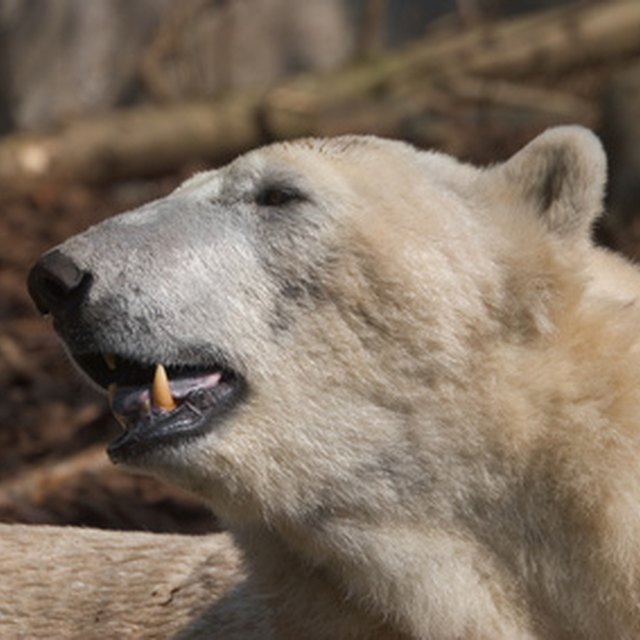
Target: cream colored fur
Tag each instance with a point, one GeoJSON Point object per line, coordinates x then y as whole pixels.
{"type": "Point", "coordinates": [445, 446]}
{"type": "Point", "coordinates": [82, 583]}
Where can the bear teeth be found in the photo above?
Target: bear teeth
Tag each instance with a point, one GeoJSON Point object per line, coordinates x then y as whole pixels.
{"type": "Point", "coordinates": [132, 403]}
{"type": "Point", "coordinates": [110, 361]}
{"type": "Point", "coordinates": [161, 396]}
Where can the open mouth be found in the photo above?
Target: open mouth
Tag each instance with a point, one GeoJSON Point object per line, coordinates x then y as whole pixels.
{"type": "Point", "coordinates": [158, 405]}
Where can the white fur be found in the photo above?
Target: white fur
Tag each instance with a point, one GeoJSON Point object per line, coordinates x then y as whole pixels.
{"type": "Point", "coordinates": [441, 437]}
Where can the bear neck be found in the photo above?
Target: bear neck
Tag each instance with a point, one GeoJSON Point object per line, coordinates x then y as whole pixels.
{"type": "Point", "coordinates": [305, 597]}
{"type": "Point", "coordinates": [498, 520]}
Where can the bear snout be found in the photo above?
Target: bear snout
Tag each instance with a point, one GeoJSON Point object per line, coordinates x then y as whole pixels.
{"type": "Point", "coordinates": [56, 283]}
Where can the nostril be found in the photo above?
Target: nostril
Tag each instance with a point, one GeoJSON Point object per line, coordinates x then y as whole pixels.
{"type": "Point", "coordinates": [56, 282]}
{"type": "Point", "coordinates": [54, 288]}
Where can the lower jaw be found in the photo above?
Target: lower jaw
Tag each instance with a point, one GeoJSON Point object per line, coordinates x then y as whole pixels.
{"type": "Point", "coordinates": [148, 435]}
{"type": "Point", "coordinates": [158, 432]}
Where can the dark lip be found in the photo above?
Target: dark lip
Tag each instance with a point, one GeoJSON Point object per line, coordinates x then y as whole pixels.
{"type": "Point", "coordinates": [198, 413]}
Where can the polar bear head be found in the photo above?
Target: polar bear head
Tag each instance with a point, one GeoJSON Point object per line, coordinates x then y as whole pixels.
{"type": "Point", "coordinates": [336, 318]}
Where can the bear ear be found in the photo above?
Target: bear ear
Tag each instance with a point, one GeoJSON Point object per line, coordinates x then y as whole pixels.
{"type": "Point", "coordinates": [561, 176]}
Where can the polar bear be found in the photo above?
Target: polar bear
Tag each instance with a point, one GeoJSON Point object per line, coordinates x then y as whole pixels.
{"type": "Point", "coordinates": [409, 386]}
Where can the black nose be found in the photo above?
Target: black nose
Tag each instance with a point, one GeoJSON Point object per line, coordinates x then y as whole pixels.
{"type": "Point", "coordinates": [56, 283]}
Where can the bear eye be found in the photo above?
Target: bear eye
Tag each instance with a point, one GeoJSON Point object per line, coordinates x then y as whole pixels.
{"type": "Point", "coordinates": [277, 196]}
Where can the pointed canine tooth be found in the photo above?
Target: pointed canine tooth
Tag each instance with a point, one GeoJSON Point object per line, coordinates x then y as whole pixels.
{"type": "Point", "coordinates": [160, 392]}
{"type": "Point", "coordinates": [110, 361]}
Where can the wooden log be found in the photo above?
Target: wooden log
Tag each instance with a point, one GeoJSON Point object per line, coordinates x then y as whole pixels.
{"type": "Point", "coordinates": [376, 96]}
{"type": "Point", "coordinates": [550, 42]}
{"type": "Point", "coordinates": [136, 142]}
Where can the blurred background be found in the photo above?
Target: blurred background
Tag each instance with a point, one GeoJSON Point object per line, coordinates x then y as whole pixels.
{"type": "Point", "coordinates": [109, 103]}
